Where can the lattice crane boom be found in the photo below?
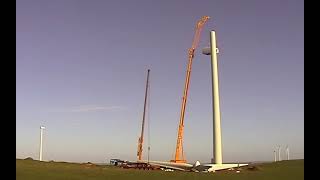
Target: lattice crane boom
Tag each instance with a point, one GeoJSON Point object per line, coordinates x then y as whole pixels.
{"type": "Point", "coordinates": [179, 154]}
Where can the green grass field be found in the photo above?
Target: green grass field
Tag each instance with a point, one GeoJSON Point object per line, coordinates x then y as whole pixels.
{"type": "Point", "coordinates": [35, 170]}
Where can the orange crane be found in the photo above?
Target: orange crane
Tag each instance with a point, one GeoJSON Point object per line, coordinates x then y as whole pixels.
{"type": "Point", "coordinates": [179, 156]}
{"type": "Point", "coordinates": [140, 141]}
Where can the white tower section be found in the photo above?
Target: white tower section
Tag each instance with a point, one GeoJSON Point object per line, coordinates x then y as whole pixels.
{"type": "Point", "coordinates": [217, 149]}
{"type": "Point", "coordinates": [217, 140]}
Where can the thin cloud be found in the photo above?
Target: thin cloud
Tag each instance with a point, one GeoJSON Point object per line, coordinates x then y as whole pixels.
{"type": "Point", "coordinates": [87, 108]}
{"type": "Point", "coordinates": [96, 108]}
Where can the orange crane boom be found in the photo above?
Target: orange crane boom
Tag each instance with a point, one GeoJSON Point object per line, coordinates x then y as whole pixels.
{"type": "Point", "coordinates": [179, 155]}
{"type": "Point", "coordinates": [140, 141]}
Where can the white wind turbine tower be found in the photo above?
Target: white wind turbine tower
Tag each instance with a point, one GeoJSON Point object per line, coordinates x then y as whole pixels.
{"type": "Point", "coordinates": [279, 153]}
{"type": "Point", "coordinates": [287, 152]}
{"type": "Point", "coordinates": [41, 139]}
{"type": "Point", "coordinates": [275, 155]}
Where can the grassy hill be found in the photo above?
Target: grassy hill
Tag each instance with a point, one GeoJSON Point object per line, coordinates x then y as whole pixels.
{"type": "Point", "coordinates": [36, 170]}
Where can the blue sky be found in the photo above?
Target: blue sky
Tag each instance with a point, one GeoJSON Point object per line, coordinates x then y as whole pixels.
{"type": "Point", "coordinates": [81, 71]}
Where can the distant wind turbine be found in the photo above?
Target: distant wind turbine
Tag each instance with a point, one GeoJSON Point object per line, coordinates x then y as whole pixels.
{"type": "Point", "coordinates": [287, 152]}
{"type": "Point", "coordinates": [279, 153]}
{"type": "Point", "coordinates": [41, 140]}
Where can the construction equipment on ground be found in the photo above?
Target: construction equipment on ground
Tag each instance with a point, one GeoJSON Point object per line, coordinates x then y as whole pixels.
{"type": "Point", "coordinates": [139, 165]}
{"type": "Point", "coordinates": [179, 155]}
{"type": "Point", "coordinates": [140, 141]}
